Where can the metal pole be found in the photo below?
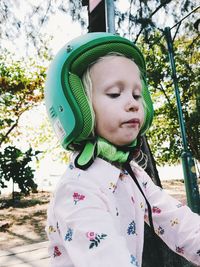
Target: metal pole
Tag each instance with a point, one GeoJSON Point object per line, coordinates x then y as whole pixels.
{"type": "Point", "coordinates": [110, 16]}
{"type": "Point", "coordinates": [188, 164]}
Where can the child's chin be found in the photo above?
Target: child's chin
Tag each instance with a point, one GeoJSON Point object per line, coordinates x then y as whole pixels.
{"type": "Point", "coordinates": [125, 143]}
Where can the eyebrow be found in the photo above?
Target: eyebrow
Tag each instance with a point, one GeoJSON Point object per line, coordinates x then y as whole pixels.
{"type": "Point", "coordinates": [137, 86]}
{"type": "Point", "coordinates": [115, 84]}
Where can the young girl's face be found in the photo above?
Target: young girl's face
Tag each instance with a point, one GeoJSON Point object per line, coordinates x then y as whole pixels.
{"type": "Point", "coordinates": [117, 99]}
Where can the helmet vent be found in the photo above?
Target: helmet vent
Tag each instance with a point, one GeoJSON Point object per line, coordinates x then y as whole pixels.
{"type": "Point", "coordinates": [52, 112]}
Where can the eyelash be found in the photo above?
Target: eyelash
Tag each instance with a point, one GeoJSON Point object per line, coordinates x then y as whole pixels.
{"type": "Point", "coordinates": [137, 97]}
{"type": "Point", "coordinates": [114, 95]}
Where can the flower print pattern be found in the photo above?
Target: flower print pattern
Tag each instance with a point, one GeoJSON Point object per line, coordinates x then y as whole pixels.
{"type": "Point", "coordinates": [71, 166]}
{"type": "Point", "coordinates": [174, 222]}
{"type": "Point", "coordinates": [141, 205]}
{"type": "Point", "coordinates": [132, 199]}
{"type": "Point", "coordinates": [131, 228]}
{"type": "Point", "coordinates": [58, 229]}
{"type": "Point", "coordinates": [95, 239]}
{"type": "Point", "coordinates": [160, 231]}
{"type": "Point", "coordinates": [144, 184]}
{"type": "Point", "coordinates": [112, 186]}
{"type": "Point", "coordinates": [134, 261]}
{"type": "Point", "coordinates": [77, 197]}
{"type": "Point", "coordinates": [117, 212]}
{"type": "Point", "coordinates": [91, 235]}
{"type": "Point", "coordinates": [69, 234]}
{"type": "Point", "coordinates": [156, 210]}
{"type": "Point", "coordinates": [179, 205]}
{"type": "Point", "coordinates": [198, 252]}
{"type": "Point", "coordinates": [180, 250]}
{"type": "Point", "coordinates": [51, 229]}
{"type": "Point", "coordinates": [56, 252]}
{"type": "Point", "coordinates": [146, 213]}
{"type": "Point", "coordinates": [123, 174]}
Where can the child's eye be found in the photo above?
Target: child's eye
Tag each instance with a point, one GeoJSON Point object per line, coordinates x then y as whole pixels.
{"type": "Point", "coordinates": [137, 97]}
{"type": "Point", "coordinates": [113, 95]}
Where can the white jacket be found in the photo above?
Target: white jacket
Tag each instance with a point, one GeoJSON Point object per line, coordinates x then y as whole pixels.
{"type": "Point", "coordinates": [96, 219]}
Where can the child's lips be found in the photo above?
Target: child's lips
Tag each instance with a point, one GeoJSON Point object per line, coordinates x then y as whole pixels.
{"type": "Point", "coordinates": [132, 123]}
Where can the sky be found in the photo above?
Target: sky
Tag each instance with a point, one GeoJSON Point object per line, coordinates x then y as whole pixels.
{"type": "Point", "coordinates": [59, 25]}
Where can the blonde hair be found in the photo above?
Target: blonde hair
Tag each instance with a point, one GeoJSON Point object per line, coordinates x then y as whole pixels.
{"type": "Point", "coordinates": [86, 78]}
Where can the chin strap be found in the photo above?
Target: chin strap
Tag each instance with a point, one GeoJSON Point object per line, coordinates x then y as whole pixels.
{"type": "Point", "coordinates": [102, 148]}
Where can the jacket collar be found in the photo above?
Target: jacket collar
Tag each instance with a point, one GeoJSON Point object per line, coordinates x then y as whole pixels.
{"type": "Point", "coordinates": [102, 173]}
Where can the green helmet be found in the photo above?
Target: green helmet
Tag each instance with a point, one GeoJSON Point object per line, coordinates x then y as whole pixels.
{"type": "Point", "coordinates": [67, 104]}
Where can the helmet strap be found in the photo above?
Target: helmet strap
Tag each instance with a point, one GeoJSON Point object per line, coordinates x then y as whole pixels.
{"type": "Point", "coordinates": [104, 149]}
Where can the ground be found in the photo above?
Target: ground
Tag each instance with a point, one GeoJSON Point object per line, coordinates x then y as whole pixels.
{"type": "Point", "coordinates": [24, 223]}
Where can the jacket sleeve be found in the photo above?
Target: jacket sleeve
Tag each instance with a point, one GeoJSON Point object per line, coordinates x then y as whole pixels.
{"type": "Point", "coordinates": [87, 228]}
{"type": "Point", "coordinates": [174, 222]}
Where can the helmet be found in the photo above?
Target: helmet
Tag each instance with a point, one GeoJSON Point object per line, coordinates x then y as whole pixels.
{"type": "Point", "coordinates": [67, 105]}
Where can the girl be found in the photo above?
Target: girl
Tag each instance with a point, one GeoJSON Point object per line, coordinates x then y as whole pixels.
{"type": "Point", "coordinates": [99, 105]}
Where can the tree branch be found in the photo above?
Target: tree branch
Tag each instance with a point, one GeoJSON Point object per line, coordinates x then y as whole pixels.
{"type": "Point", "coordinates": [151, 15]}
{"type": "Point", "coordinates": [9, 131]}
{"type": "Point", "coordinates": [14, 125]}
{"type": "Point", "coordinates": [168, 100]}
{"type": "Point", "coordinates": [129, 27]}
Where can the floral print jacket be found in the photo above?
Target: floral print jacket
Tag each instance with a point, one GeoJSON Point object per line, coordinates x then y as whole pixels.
{"type": "Point", "coordinates": [96, 218]}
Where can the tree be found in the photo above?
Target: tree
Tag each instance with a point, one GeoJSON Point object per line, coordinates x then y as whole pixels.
{"type": "Point", "coordinates": [164, 137]}
{"type": "Point", "coordinates": [14, 165]}
{"type": "Point", "coordinates": [141, 17]}
{"type": "Point", "coordinates": [24, 20]}
{"type": "Point", "coordinates": [21, 88]}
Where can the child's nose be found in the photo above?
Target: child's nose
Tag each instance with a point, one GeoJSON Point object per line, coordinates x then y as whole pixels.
{"type": "Point", "coordinates": [132, 104]}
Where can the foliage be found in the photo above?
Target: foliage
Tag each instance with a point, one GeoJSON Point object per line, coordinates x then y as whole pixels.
{"type": "Point", "coordinates": [188, 56]}
{"type": "Point", "coordinates": [164, 136]}
{"type": "Point", "coordinates": [14, 165]}
{"type": "Point", "coordinates": [21, 88]}
{"type": "Point", "coordinates": [143, 22]}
